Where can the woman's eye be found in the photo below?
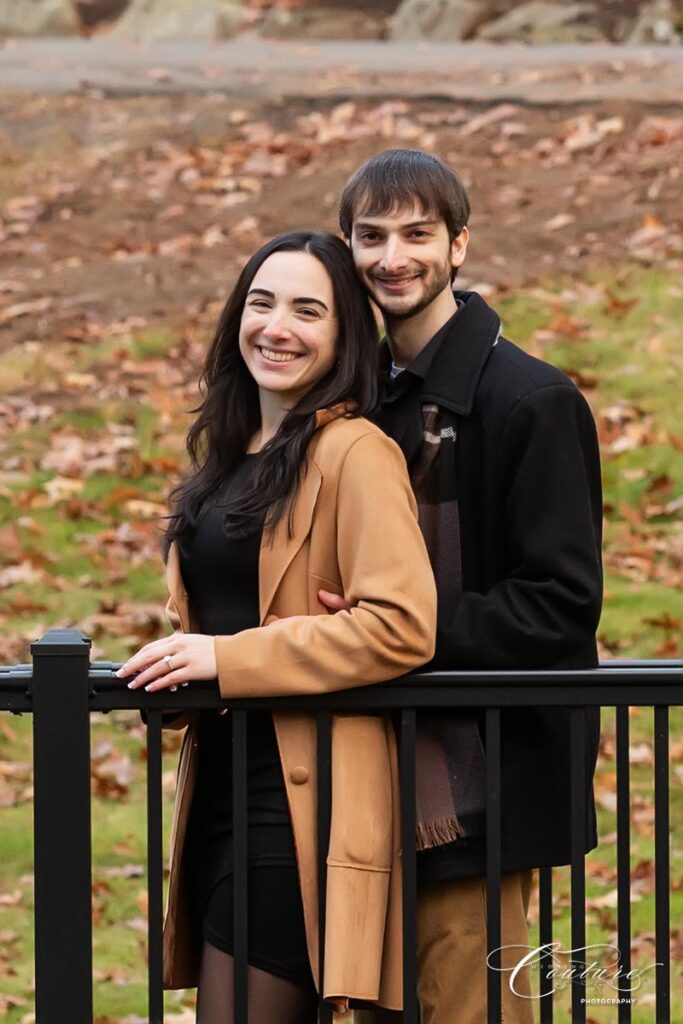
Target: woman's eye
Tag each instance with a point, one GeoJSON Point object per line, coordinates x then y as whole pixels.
{"type": "Point", "coordinates": [308, 312]}
{"type": "Point", "coordinates": [259, 304]}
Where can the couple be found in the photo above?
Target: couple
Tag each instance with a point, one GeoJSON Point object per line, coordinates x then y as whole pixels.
{"type": "Point", "coordinates": [295, 565]}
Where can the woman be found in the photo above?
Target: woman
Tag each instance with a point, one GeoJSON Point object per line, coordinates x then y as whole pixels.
{"type": "Point", "coordinates": [293, 491]}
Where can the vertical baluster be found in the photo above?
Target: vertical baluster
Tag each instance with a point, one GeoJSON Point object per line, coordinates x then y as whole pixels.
{"type": "Point", "coordinates": [409, 865]}
{"type": "Point", "coordinates": [578, 847]}
{"type": "Point", "coordinates": [154, 870]}
{"type": "Point", "coordinates": [493, 865]}
{"type": "Point", "coordinates": [545, 937]}
{"type": "Point", "coordinates": [623, 859]}
{"type": "Point", "coordinates": [240, 870]}
{"type": "Point", "coordinates": [324, 783]}
{"type": "Point", "coordinates": [662, 874]}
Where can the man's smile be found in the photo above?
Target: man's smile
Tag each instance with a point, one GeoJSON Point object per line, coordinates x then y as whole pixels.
{"type": "Point", "coordinates": [393, 284]}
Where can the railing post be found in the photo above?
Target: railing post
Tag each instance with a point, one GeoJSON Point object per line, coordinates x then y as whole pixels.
{"type": "Point", "coordinates": [61, 822]}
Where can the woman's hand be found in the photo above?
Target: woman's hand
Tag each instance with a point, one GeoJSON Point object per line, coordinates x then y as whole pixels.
{"type": "Point", "coordinates": [171, 662]}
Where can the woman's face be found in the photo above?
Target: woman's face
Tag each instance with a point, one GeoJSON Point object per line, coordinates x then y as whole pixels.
{"type": "Point", "coordinates": [288, 331]}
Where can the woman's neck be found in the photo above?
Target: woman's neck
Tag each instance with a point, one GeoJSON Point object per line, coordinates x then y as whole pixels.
{"type": "Point", "coordinates": [273, 412]}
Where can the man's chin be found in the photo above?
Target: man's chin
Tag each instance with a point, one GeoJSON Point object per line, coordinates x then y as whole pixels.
{"type": "Point", "coordinates": [399, 308]}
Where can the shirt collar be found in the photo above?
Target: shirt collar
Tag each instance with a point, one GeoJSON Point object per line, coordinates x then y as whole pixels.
{"type": "Point", "coordinates": [450, 365]}
{"type": "Point", "coordinates": [422, 362]}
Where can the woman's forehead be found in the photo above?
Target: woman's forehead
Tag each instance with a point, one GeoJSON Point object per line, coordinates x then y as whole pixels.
{"type": "Point", "coordinates": [286, 273]}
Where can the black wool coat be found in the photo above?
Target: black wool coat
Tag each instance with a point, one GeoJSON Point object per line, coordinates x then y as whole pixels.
{"type": "Point", "coordinates": [530, 502]}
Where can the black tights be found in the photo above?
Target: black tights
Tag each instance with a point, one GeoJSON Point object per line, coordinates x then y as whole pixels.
{"type": "Point", "coordinates": [272, 1000]}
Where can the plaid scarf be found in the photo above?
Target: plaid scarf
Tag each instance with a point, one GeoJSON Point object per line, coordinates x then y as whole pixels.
{"type": "Point", "coordinates": [450, 760]}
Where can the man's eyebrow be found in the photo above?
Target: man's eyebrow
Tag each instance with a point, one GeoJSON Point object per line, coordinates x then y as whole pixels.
{"type": "Point", "coordinates": [413, 224]}
{"type": "Point", "coordinates": [271, 295]}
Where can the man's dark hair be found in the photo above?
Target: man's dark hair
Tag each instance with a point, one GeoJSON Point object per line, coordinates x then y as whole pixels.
{"type": "Point", "coordinates": [398, 178]}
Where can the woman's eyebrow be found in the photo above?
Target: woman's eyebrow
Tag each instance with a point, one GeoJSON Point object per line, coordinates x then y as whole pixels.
{"type": "Point", "coordinates": [271, 295]}
{"type": "Point", "coordinates": [317, 302]}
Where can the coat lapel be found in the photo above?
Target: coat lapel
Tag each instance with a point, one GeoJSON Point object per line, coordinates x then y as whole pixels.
{"type": "Point", "coordinates": [278, 552]}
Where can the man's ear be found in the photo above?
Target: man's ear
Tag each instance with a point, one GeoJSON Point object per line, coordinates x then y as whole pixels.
{"type": "Point", "coordinates": [459, 248]}
{"type": "Point", "coordinates": [346, 239]}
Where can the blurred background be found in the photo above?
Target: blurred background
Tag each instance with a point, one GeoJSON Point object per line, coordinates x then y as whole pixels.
{"type": "Point", "coordinates": [146, 149]}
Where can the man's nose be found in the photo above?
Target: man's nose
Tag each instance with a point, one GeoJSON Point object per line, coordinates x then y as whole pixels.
{"type": "Point", "coordinates": [394, 257]}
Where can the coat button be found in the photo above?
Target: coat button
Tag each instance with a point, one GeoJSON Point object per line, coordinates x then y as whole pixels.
{"type": "Point", "coordinates": [299, 775]}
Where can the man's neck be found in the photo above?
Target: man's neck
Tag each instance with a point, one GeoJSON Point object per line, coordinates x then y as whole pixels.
{"type": "Point", "coordinates": [407, 337]}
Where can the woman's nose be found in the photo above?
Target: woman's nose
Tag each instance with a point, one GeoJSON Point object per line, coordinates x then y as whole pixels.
{"type": "Point", "coordinates": [277, 326]}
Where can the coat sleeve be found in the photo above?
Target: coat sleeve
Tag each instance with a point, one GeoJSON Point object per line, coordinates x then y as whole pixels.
{"type": "Point", "coordinates": [547, 606]}
{"type": "Point", "coordinates": [386, 577]}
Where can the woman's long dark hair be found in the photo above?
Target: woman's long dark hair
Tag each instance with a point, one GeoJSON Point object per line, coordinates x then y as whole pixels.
{"type": "Point", "coordinates": [229, 414]}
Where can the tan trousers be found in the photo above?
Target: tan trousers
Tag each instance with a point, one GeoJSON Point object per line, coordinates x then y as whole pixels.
{"type": "Point", "coordinates": [451, 953]}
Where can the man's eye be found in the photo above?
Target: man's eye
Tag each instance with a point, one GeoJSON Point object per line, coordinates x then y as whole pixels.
{"type": "Point", "coordinates": [420, 234]}
{"type": "Point", "coordinates": [369, 236]}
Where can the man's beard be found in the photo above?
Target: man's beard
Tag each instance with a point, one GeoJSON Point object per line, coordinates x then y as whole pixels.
{"type": "Point", "coordinates": [442, 280]}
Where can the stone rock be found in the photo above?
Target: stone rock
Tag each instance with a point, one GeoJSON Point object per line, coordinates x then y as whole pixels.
{"type": "Point", "coordinates": [182, 19]}
{"type": "Point", "coordinates": [93, 12]}
{"type": "Point", "coordinates": [656, 23]}
{"type": "Point", "coordinates": [322, 22]}
{"type": "Point", "coordinates": [38, 18]}
{"type": "Point", "coordinates": [445, 20]}
{"type": "Point", "coordinates": [540, 22]}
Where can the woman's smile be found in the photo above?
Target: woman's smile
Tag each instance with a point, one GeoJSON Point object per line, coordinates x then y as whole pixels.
{"type": "Point", "coordinates": [273, 355]}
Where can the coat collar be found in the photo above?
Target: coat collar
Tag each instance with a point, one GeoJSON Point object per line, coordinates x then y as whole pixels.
{"type": "Point", "coordinates": [277, 552]}
{"type": "Point", "coordinates": [452, 375]}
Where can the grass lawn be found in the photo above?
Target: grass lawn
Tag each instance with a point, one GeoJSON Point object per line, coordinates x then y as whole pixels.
{"type": "Point", "coordinates": [93, 446]}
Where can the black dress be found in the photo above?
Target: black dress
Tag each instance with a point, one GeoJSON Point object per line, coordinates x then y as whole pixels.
{"type": "Point", "coordinates": [220, 571]}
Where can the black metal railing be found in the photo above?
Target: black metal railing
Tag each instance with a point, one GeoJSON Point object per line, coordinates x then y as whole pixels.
{"type": "Point", "coordinates": [63, 687]}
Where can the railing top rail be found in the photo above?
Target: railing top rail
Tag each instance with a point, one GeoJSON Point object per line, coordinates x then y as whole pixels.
{"type": "Point", "coordinates": [614, 682]}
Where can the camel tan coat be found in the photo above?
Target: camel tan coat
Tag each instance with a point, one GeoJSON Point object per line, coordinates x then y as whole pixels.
{"type": "Point", "coordinates": [355, 533]}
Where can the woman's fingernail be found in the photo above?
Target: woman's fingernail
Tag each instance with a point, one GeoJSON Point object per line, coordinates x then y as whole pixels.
{"type": "Point", "coordinates": [119, 672]}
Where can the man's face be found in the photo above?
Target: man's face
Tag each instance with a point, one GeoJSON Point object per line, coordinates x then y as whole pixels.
{"type": "Point", "coordinates": [405, 259]}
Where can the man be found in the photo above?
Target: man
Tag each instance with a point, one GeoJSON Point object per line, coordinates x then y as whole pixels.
{"type": "Point", "coordinates": [503, 457]}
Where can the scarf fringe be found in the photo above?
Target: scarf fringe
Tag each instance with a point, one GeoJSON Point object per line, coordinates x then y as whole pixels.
{"type": "Point", "coordinates": [438, 832]}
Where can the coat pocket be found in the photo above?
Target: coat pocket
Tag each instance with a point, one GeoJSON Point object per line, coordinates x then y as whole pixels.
{"type": "Point", "coordinates": [361, 833]}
